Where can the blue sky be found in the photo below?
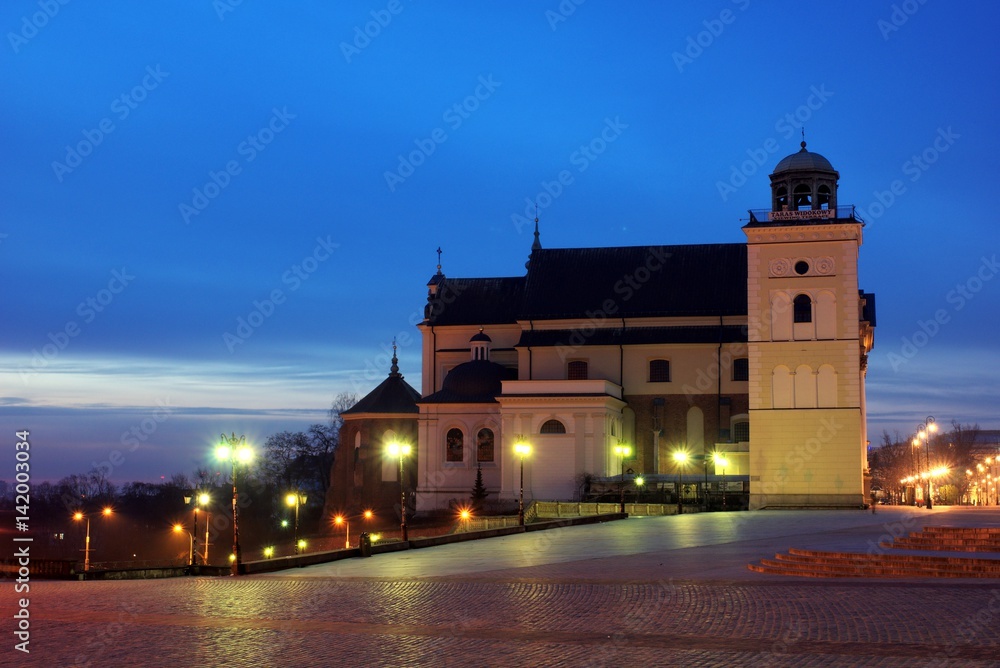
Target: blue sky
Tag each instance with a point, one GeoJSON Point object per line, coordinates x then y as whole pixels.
{"type": "Point", "coordinates": [217, 215]}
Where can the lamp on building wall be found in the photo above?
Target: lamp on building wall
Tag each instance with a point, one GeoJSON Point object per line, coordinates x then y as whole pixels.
{"type": "Point", "coordinates": [623, 451]}
{"type": "Point", "coordinates": [401, 450]}
{"type": "Point", "coordinates": [522, 450]}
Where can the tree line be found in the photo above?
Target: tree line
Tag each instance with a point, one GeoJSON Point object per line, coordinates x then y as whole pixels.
{"type": "Point", "coordinates": [144, 513]}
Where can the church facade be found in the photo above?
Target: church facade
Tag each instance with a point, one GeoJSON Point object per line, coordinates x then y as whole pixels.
{"type": "Point", "coordinates": [750, 358]}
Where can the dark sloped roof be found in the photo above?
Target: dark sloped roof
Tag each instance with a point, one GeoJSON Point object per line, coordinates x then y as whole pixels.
{"type": "Point", "coordinates": [634, 336]}
{"type": "Point", "coordinates": [393, 395]}
{"type": "Point", "coordinates": [477, 301]}
{"type": "Point", "coordinates": [634, 281]}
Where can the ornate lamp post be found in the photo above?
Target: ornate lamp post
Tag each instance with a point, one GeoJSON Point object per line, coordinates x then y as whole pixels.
{"type": "Point", "coordinates": [681, 458]}
{"type": "Point", "coordinates": [201, 499]}
{"type": "Point", "coordinates": [78, 515]}
{"type": "Point", "coordinates": [623, 451]}
{"type": "Point", "coordinates": [721, 460]}
{"type": "Point", "coordinates": [401, 450]}
{"type": "Point", "coordinates": [924, 431]}
{"type": "Point", "coordinates": [522, 450]}
{"type": "Point", "coordinates": [236, 451]}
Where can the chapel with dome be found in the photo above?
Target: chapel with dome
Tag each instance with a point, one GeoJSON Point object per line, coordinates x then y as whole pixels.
{"type": "Point", "coordinates": [748, 357]}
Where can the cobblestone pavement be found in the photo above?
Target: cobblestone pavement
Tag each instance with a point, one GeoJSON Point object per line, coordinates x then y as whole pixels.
{"type": "Point", "coordinates": [647, 608]}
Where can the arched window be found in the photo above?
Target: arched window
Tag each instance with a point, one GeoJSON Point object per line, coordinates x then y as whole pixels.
{"type": "Point", "coordinates": [553, 427]}
{"type": "Point", "coordinates": [823, 195]}
{"type": "Point", "coordinates": [659, 371]}
{"type": "Point", "coordinates": [455, 442]}
{"type": "Point", "coordinates": [802, 309]}
{"type": "Point", "coordinates": [484, 445]}
{"type": "Point", "coordinates": [803, 197]}
{"type": "Point", "coordinates": [576, 370]}
{"type": "Point", "coordinates": [781, 199]}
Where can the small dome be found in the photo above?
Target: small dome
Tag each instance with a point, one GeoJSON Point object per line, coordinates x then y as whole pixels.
{"type": "Point", "coordinates": [477, 378]}
{"type": "Point", "coordinates": [804, 160]}
{"type": "Point", "coordinates": [480, 336]}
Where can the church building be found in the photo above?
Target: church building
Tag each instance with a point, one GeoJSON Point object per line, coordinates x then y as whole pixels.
{"type": "Point", "coordinates": [749, 358]}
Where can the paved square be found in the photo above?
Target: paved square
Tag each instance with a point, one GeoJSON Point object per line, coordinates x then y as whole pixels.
{"type": "Point", "coordinates": [638, 592]}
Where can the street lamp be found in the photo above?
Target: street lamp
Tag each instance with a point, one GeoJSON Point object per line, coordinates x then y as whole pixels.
{"type": "Point", "coordinates": [78, 515]}
{"type": "Point", "coordinates": [721, 460]}
{"type": "Point", "coordinates": [179, 528]}
{"type": "Point", "coordinates": [201, 499]}
{"type": "Point", "coordinates": [295, 499]}
{"type": "Point", "coordinates": [401, 450]}
{"type": "Point", "coordinates": [924, 431]}
{"type": "Point", "coordinates": [622, 451]}
{"type": "Point", "coordinates": [522, 450]}
{"type": "Point", "coordinates": [639, 482]}
{"type": "Point", "coordinates": [681, 458]}
{"type": "Point", "coordinates": [236, 451]}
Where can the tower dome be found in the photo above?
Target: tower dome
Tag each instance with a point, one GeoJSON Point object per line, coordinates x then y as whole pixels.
{"type": "Point", "coordinates": [804, 181]}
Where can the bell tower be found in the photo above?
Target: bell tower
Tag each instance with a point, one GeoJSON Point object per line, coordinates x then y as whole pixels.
{"type": "Point", "coordinates": [809, 333]}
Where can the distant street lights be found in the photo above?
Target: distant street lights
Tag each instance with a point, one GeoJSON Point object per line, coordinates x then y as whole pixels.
{"type": "Point", "coordinates": [401, 450]}
{"type": "Point", "coordinates": [178, 528]}
{"type": "Point", "coordinates": [340, 519]}
{"type": "Point", "coordinates": [924, 431]}
{"type": "Point", "coordinates": [522, 450]}
{"type": "Point", "coordinates": [623, 451]}
{"type": "Point", "coordinates": [681, 459]}
{"type": "Point", "coordinates": [78, 515]}
{"type": "Point", "coordinates": [295, 499]}
{"type": "Point", "coordinates": [201, 499]}
{"type": "Point", "coordinates": [236, 451]}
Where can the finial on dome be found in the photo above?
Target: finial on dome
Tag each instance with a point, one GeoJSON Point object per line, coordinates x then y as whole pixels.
{"type": "Point", "coordinates": [439, 259]}
{"type": "Point", "coordinates": [394, 369]}
{"type": "Point", "coordinates": [803, 144]}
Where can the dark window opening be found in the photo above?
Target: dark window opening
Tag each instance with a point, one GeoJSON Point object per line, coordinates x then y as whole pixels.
{"type": "Point", "coordinates": [553, 427]}
{"type": "Point", "coordinates": [802, 309]}
{"type": "Point", "coordinates": [659, 371]}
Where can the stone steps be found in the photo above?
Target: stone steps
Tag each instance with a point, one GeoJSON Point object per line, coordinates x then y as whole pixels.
{"type": "Point", "coordinates": [824, 564]}
{"type": "Point", "coordinates": [813, 563]}
{"type": "Point", "coordinates": [951, 539]}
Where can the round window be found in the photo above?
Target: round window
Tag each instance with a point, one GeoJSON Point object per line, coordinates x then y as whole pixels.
{"type": "Point", "coordinates": [801, 267]}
